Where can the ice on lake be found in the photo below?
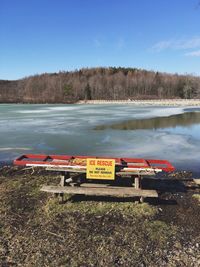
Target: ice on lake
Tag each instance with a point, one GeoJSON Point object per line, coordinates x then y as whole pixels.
{"type": "Point", "coordinates": [108, 130]}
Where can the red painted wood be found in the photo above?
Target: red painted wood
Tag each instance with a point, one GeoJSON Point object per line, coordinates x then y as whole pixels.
{"type": "Point", "coordinates": [66, 160]}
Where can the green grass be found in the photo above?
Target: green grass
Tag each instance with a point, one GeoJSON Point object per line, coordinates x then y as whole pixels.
{"type": "Point", "coordinates": [159, 231]}
{"type": "Point", "coordinates": [37, 230]}
{"type": "Point", "coordinates": [53, 208]}
{"type": "Point", "coordinates": [197, 197]}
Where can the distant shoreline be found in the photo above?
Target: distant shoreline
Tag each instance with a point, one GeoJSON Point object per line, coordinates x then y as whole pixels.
{"type": "Point", "coordinates": [152, 102]}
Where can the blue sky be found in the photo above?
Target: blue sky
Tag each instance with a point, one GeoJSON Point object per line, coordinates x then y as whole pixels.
{"type": "Point", "coordinates": [39, 36]}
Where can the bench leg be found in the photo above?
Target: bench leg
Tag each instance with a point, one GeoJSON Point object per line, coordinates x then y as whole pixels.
{"type": "Point", "coordinates": [61, 198]}
{"type": "Point", "coordinates": [63, 182]}
{"type": "Point", "coordinates": [138, 182]}
{"type": "Point", "coordinates": [63, 179]}
{"type": "Point", "coordinates": [141, 199]}
{"type": "Point", "coordinates": [138, 186]}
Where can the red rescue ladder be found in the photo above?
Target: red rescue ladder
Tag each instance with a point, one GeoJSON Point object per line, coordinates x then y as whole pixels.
{"type": "Point", "coordinates": [123, 164]}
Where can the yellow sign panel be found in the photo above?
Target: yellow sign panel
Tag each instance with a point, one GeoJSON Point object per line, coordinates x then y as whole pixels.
{"type": "Point", "coordinates": [101, 169]}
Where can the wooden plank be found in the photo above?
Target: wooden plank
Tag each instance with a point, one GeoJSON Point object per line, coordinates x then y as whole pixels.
{"type": "Point", "coordinates": [121, 192]}
{"type": "Point", "coordinates": [59, 169]}
{"type": "Point", "coordinates": [121, 173]}
{"type": "Point", "coordinates": [130, 173]}
{"type": "Point", "coordinates": [93, 185]}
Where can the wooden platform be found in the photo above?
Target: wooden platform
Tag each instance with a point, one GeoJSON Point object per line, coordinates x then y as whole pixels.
{"type": "Point", "coordinates": [100, 191]}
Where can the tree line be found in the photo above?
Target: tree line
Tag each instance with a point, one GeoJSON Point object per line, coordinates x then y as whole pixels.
{"type": "Point", "coordinates": [99, 83]}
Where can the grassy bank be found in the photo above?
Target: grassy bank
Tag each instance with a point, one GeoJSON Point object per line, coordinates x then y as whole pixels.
{"type": "Point", "coordinates": [36, 230]}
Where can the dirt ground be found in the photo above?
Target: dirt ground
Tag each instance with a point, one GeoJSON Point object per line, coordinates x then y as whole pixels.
{"type": "Point", "coordinates": [37, 230]}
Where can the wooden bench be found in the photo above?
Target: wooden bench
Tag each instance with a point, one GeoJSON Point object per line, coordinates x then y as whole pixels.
{"type": "Point", "coordinates": [96, 190]}
{"type": "Point", "coordinates": [69, 185]}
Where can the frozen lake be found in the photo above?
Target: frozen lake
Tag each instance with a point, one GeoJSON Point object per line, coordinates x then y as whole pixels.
{"type": "Point", "coordinates": [110, 130]}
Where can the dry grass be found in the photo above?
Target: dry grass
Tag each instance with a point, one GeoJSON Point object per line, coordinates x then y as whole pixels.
{"type": "Point", "coordinates": [197, 197]}
{"type": "Point", "coordinates": [35, 230]}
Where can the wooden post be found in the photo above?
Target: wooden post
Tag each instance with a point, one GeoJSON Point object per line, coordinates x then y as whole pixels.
{"type": "Point", "coordinates": [137, 182]}
{"type": "Point", "coordinates": [139, 186]}
{"type": "Point", "coordinates": [141, 199]}
{"type": "Point", "coordinates": [61, 197]}
{"type": "Point", "coordinates": [63, 183]}
{"type": "Point", "coordinates": [63, 179]}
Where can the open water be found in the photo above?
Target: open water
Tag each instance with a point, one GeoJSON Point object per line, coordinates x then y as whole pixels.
{"type": "Point", "coordinates": [170, 133]}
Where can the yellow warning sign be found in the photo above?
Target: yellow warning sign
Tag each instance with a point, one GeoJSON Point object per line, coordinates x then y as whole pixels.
{"type": "Point", "coordinates": [100, 169]}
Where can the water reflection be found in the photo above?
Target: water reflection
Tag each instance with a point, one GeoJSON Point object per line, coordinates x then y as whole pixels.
{"type": "Point", "coordinates": [185, 119]}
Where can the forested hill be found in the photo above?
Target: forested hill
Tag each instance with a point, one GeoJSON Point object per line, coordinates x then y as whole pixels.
{"type": "Point", "coordinates": [99, 83]}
